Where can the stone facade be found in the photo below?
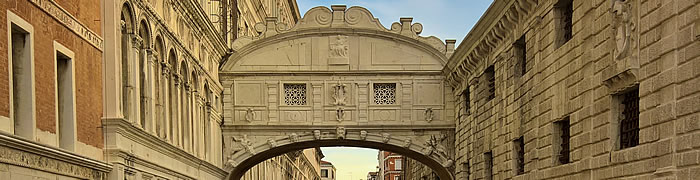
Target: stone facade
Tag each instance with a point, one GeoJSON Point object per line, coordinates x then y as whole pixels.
{"type": "Point", "coordinates": [296, 165]}
{"type": "Point", "coordinates": [609, 93]}
{"type": "Point", "coordinates": [49, 66]}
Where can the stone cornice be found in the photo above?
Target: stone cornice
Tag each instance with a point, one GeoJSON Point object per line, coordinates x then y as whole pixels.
{"type": "Point", "coordinates": [492, 30]}
{"type": "Point", "coordinates": [21, 152]}
{"type": "Point", "coordinates": [126, 129]}
{"type": "Point", "coordinates": [64, 17]}
{"type": "Point", "coordinates": [237, 128]}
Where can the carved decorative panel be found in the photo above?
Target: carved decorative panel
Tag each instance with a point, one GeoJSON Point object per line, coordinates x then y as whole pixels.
{"type": "Point", "coordinates": [384, 93]}
{"type": "Point", "coordinates": [295, 94]}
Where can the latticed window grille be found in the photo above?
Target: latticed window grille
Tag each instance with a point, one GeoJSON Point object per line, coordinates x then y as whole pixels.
{"type": "Point", "coordinates": [520, 150]}
{"type": "Point", "coordinates": [565, 136]}
{"type": "Point", "coordinates": [491, 82]}
{"type": "Point", "coordinates": [567, 14]}
{"type": "Point", "coordinates": [295, 94]}
{"type": "Point", "coordinates": [384, 93]}
{"type": "Point", "coordinates": [629, 124]}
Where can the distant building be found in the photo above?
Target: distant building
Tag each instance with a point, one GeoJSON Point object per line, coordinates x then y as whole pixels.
{"type": "Point", "coordinates": [372, 175]}
{"type": "Point", "coordinates": [391, 165]}
{"type": "Point", "coordinates": [327, 171]}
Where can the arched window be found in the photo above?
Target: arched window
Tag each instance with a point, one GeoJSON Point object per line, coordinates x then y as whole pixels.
{"type": "Point", "coordinates": [144, 90]}
{"type": "Point", "coordinates": [172, 98]}
{"type": "Point", "coordinates": [158, 95]}
{"type": "Point", "coordinates": [184, 107]}
{"type": "Point", "coordinates": [126, 32]}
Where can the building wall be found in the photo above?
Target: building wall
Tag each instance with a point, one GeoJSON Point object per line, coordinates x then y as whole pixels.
{"type": "Point", "coordinates": [332, 175]}
{"type": "Point", "coordinates": [162, 94]}
{"type": "Point", "coordinates": [251, 12]}
{"type": "Point", "coordinates": [73, 28]}
{"type": "Point", "coordinates": [296, 165]}
{"type": "Point", "coordinates": [580, 79]}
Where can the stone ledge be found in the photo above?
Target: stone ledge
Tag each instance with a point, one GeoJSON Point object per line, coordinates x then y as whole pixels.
{"type": "Point", "coordinates": [24, 153]}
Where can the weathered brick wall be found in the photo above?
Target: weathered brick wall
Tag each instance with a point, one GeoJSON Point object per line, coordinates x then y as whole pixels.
{"type": "Point", "coordinates": [87, 63]}
{"type": "Point", "coordinates": [569, 81]}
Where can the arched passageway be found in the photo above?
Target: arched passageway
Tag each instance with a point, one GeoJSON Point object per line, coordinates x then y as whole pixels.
{"type": "Point", "coordinates": [431, 153]}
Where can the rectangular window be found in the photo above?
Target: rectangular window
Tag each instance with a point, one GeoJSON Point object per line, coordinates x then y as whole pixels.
{"type": "Point", "coordinates": [629, 122]}
{"type": "Point", "coordinates": [490, 82]}
{"type": "Point", "coordinates": [563, 135]}
{"type": "Point", "coordinates": [65, 99]}
{"type": "Point", "coordinates": [565, 9]}
{"type": "Point", "coordinates": [466, 169]}
{"type": "Point", "coordinates": [384, 93]}
{"type": "Point", "coordinates": [397, 177]}
{"type": "Point", "coordinates": [324, 173]}
{"type": "Point", "coordinates": [519, 148]}
{"type": "Point", "coordinates": [467, 105]}
{"type": "Point", "coordinates": [22, 91]}
{"type": "Point", "coordinates": [397, 164]}
{"type": "Point", "coordinates": [488, 165]}
{"type": "Point", "coordinates": [520, 49]}
{"type": "Point", "coordinates": [295, 94]}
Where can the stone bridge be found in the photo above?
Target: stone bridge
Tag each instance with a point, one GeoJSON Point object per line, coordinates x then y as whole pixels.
{"type": "Point", "coordinates": [338, 78]}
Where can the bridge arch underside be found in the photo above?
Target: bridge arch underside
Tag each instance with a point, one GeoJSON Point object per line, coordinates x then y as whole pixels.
{"type": "Point", "coordinates": [430, 153]}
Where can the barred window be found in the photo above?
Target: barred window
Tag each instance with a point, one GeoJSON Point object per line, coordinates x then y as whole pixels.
{"type": "Point", "coordinates": [566, 12]}
{"type": "Point", "coordinates": [467, 169]}
{"type": "Point", "coordinates": [629, 124]}
{"type": "Point", "coordinates": [295, 94]}
{"type": "Point", "coordinates": [563, 133]}
{"type": "Point", "coordinates": [521, 54]}
{"type": "Point", "coordinates": [519, 145]}
{"type": "Point", "coordinates": [384, 93]}
{"type": "Point", "coordinates": [491, 82]}
{"type": "Point", "coordinates": [467, 105]}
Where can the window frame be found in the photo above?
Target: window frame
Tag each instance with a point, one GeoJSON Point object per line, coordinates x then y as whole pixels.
{"type": "Point", "coordinates": [69, 142]}
{"type": "Point", "coordinates": [397, 94]}
{"type": "Point", "coordinates": [8, 124]}
{"type": "Point", "coordinates": [562, 132]}
{"type": "Point", "coordinates": [283, 94]}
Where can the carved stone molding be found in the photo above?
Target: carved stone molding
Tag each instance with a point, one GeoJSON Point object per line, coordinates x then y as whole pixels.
{"type": "Point", "coordinates": [249, 114]}
{"type": "Point", "coordinates": [26, 154]}
{"type": "Point", "coordinates": [429, 114]}
{"type": "Point", "coordinates": [340, 132]}
{"type": "Point", "coordinates": [339, 50]}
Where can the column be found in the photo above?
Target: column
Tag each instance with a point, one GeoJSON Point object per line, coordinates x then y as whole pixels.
{"type": "Point", "coordinates": [164, 106]}
{"type": "Point", "coordinates": [151, 66]}
{"type": "Point", "coordinates": [133, 86]}
{"type": "Point", "coordinates": [174, 109]}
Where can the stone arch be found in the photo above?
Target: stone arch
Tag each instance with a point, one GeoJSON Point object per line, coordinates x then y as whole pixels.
{"type": "Point", "coordinates": [127, 16]}
{"type": "Point", "coordinates": [145, 33]}
{"type": "Point", "coordinates": [159, 81]}
{"type": "Point", "coordinates": [251, 153]}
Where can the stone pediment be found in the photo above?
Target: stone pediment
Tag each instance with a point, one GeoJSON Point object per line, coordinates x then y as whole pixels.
{"type": "Point", "coordinates": [338, 39]}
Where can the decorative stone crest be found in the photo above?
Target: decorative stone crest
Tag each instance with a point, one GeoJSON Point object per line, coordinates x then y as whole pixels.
{"type": "Point", "coordinates": [317, 134]}
{"type": "Point", "coordinates": [339, 114]}
{"type": "Point", "coordinates": [623, 26]}
{"type": "Point", "coordinates": [249, 114]}
{"type": "Point", "coordinates": [386, 137]}
{"type": "Point", "coordinates": [448, 163]}
{"type": "Point", "coordinates": [271, 142]}
{"type": "Point", "coordinates": [429, 114]}
{"type": "Point", "coordinates": [340, 132]}
{"type": "Point", "coordinates": [294, 137]}
{"type": "Point", "coordinates": [363, 135]}
{"type": "Point", "coordinates": [339, 94]}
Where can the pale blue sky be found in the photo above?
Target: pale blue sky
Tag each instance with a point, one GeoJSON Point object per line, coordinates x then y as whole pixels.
{"type": "Point", "coordinates": [445, 19]}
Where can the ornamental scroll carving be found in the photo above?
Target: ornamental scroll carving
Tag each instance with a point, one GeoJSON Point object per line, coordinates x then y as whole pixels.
{"type": "Point", "coordinates": [623, 27]}
{"type": "Point", "coordinates": [429, 114]}
{"type": "Point", "coordinates": [249, 114]}
{"type": "Point", "coordinates": [339, 94]}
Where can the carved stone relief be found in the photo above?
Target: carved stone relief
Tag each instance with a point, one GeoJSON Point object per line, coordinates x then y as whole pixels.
{"type": "Point", "coordinates": [247, 144]}
{"type": "Point", "coordinates": [386, 137]}
{"type": "Point", "coordinates": [407, 143]}
{"type": "Point", "coordinates": [294, 137]}
{"type": "Point", "coordinates": [429, 114]}
{"type": "Point", "coordinates": [624, 27]}
{"type": "Point", "coordinates": [363, 135]}
{"type": "Point", "coordinates": [340, 132]}
{"type": "Point", "coordinates": [339, 114]}
{"type": "Point", "coordinates": [249, 114]}
{"type": "Point", "coordinates": [25, 159]}
{"type": "Point", "coordinates": [338, 50]}
{"type": "Point", "coordinates": [339, 94]}
{"type": "Point", "coordinates": [271, 142]}
{"type": "Point", "coordinates": [317, 134]}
